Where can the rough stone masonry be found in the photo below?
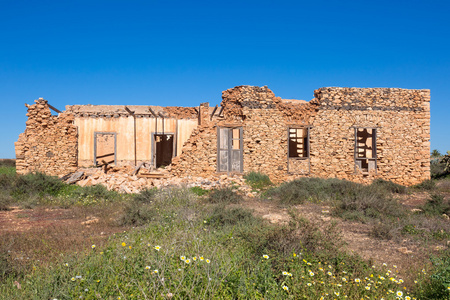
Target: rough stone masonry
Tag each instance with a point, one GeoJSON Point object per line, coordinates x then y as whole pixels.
{"type": "Point", "coordinates": [357, 134]}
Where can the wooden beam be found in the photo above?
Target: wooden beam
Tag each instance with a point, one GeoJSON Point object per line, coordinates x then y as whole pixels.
{"type": "Point", "coordinates": [221, 110]}
{"type": "Point", "coordinates": [153, 113]}
{"type": "Point", "coordinates": [55, 109]}
{"type": "Point", "coordinates": [129, 111]}
{"type": "Point", "coordinates": [215, 108]}
{"type": "Point", "coordinates": [151, 175]}
{"type": "Point", "coordinates": [136, 170]}
{"type": "Point", "coordinates": [134, 121]}
{"type": "Point", "coordinates": [162, 117]}
{"type": "Point", "coordinates": [75, 177]}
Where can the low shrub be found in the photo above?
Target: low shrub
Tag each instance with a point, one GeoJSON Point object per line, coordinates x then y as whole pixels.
{"type": "Point", "coordinates": [137, 215]}
{"type": "Point", "coordinates": [352, 200]}
{"type": "Point", "coordinates": [5, 200]}
{"type": "Point", "coordinates": [221, 216]}
{"type": "Point", "coordinates": [145, 196]}
{"type": "Point", "coordinates": [8, 170]}
{"type": "Point", "coordinates": [97, 191]}
{"type": "Point", "coordinates": [198, 191]}
{"type": "Point", "coordinates": [160, 206]}
{"type": "Point", "coordinates": [224, 196]}
{"type": "Point", "coordinates": [439, 167]}
{"type": "Point", "coordinates": [37, 183]}
{"type": "Point", "coordinates": [369, 203]}
{"type": "Point", "coordinates": [30, 201]}
{"type": "Point", "coordinates": [436, 205]}
{"type": "Point", "coordinates": [6, 267]}
{"type": "Point", "coordinates": [260, 239]}
{"type": "Point", "coordinates": [382, 230]}
{"type": "Point", "coordinates": [426, 185]}
{"type": "Point", "coordinates": [443, 185]}
{"type": "Point", "coordinates": [7, 181]}
{"type": "Point", "coordinates": [311, 189]}
{"type": "Point", "coordinates": [421, 227]}
{"type": "Point", "coordinates": [390, 186]}
{"type": "Point", "coordinates": [257, 180]}
{"type": "Point", "coordinates": [437, 285]}
{"type": "Point", "coordinates": [7, 163]}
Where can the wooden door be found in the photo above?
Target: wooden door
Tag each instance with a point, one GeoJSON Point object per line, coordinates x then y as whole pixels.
{"type": "Point", "coordinates": [230, 149]}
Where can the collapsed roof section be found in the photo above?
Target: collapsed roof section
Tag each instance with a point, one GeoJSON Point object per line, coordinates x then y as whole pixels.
{"type": "Point", "coordinates": [175, 112]}
{"type": "Point", "coordinates": [234, 100]}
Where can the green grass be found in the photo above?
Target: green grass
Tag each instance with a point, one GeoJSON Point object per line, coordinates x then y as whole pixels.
{"type": "Point", "coordinates": [187, 246]}
{"type": "Point", "coordinates": [37, 189]}
{"type": "Point", "coordinates": [257, 180]}
{"type": "Point", "coordinates": [199, 191]}
{"type": "Point", "coordinates": [224, 196]}
{"type": "Point", "coordinates": [190, 250]}
{"type": "Point", "coordinates": [7, 170]}
{"type": "Point", "coordinates": [437, 284]}
{"type": "Point", "coordinates": [426, 185]}
{"type": "Point", "coordinates": [389, 186]}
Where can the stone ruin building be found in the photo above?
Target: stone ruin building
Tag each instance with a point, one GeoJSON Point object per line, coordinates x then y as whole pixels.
{"type": "Point", "coordinates": [358, 134]}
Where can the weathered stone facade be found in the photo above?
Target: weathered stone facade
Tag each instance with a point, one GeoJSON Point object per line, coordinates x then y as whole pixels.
{"type": "Point", "coordinates": [400, 117]}
{"type": "Point", "coordinates": [49, 143]}
{"type": "Point", "coordinates": [358, 134]}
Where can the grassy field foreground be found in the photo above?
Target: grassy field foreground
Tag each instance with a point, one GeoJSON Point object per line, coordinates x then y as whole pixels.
{"type": "Point", "coordinates": [190, 244]}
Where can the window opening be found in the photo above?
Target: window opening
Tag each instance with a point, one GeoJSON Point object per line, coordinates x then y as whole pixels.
{"type": "Point", "coordinates": [298, 143]}
{"type": "Point", "coordinates": [365, 149]}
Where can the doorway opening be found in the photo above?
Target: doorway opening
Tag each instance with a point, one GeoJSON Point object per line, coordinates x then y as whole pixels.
{"type": "Point", "coordinates": [105, 148]}
{"type": "Point", "coordinates": [163, 149]}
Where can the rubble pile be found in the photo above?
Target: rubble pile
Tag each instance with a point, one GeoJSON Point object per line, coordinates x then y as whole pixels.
{"type": "Point", "coordinates": [120, 179]}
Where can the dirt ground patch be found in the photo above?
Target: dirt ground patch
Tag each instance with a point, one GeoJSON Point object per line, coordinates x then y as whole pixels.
{"type": "Point", "coordinates": [38, 236]}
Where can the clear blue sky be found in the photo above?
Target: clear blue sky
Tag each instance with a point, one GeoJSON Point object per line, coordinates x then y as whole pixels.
{"type": "Point", "coordinates": [186, 52]}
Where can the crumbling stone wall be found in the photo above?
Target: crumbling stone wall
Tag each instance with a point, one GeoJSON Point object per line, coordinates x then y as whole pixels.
{"type": "Point", "coordinates": [264, 121]}
{"type": "Point", "coordinates": [401, 118]}
{"type": "Point", "coordinates": [49, 143]}
{"type": "Point", "coordinates": [198, 156]}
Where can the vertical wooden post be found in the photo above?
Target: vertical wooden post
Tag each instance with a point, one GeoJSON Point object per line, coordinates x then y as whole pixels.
{"type": "Point", "coordinates": [134, 121]}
